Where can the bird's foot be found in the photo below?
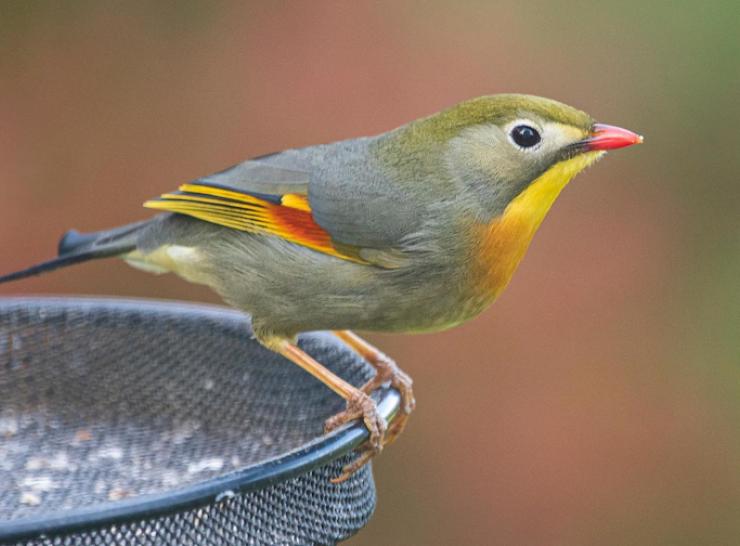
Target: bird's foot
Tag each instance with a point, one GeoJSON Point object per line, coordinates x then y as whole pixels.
{"type": "Point", "coordinates": [360, 406]}
{"type": "Point", "coordinates": [387, 371]}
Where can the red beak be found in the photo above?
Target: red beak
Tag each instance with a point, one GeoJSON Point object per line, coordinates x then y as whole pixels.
{"type": "Point", "coordinates": [609, 137]}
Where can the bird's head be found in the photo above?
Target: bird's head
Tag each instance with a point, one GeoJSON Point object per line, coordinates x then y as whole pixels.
{"type": "Point", "coordinates": [498, 145]}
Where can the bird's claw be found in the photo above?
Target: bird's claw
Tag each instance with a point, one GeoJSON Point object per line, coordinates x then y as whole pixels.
{"type": "Point", "coordinates": [389, 372]}
{"type": "Point", "coordinates": [402, 382]}
{"type": "Point", "coordinates": [366, 453]}
{"type": "Point", "coordinates": [360, 406]}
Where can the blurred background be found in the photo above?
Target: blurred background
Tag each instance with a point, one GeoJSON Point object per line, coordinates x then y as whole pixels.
{"type": "Point", "coordinates": [598, 401]}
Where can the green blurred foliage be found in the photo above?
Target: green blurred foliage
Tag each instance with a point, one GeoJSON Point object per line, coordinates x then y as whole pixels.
{"type": "Point", "coordinates": [598, 401]}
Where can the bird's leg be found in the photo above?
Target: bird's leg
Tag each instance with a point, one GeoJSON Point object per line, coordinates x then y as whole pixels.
{"type": "Point", "coordinates": [386, 371]}
{"type": "Point", "coordinates": [359, 403]}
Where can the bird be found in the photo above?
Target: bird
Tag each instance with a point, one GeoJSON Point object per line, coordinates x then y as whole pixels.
{"type": "Point", "coordinates": [417, 229]}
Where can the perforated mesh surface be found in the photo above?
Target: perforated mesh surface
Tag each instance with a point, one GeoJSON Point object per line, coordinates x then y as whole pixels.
{"type": "Point", "coordinates": [105, 402]}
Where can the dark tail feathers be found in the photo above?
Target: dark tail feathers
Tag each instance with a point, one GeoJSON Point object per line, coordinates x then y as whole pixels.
{"type": "Point", "coordinates": [76, 247]}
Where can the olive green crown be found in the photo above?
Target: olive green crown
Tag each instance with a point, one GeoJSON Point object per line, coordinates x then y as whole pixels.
{"type": "Point", "coordinates": [495, 109]}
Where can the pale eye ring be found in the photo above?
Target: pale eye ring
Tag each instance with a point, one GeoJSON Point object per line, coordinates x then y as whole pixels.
{"type": "Point", "coordinates": [525, 136]}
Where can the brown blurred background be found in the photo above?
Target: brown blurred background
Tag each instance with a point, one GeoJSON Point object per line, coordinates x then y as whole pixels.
{"type": "Point", "coordinates": [598, 402]}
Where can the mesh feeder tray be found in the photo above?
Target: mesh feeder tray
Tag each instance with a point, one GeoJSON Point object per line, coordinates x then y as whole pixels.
{"type": "Point", "coordinates": [148, 423]}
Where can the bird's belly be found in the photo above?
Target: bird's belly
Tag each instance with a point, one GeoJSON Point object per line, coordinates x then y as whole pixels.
{"type": "Point", "coordinates": [293, 289]}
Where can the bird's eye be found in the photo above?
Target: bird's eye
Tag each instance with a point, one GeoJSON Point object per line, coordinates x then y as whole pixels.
{"type": "Point", "coordinates": [525, 136]}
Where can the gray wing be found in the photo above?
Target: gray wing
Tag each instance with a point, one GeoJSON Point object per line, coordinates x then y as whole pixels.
{"type": "Point", "coordinates": [349, 195]}
{"type": "Point", "coordinates": [356, 200]}
{"type": "Point", "coordinates": [256, 176]}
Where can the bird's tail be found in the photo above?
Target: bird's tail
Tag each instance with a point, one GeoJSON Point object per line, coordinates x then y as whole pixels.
{"type": "Point", "coordinates": [76, 247]}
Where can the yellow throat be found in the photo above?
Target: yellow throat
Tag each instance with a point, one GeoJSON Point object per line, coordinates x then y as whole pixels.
{"type": "Point", "coordinates": [505, 240]}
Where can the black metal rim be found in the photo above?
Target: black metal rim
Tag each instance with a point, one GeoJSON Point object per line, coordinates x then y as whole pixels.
{"type": "Point", "coordinates": [272, 471]}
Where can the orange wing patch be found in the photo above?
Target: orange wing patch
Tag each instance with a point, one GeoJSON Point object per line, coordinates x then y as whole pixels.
{"type": "Point", "coordinates": [287, 216]}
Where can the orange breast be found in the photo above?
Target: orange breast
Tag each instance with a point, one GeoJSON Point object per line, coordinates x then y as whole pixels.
{"type": "Point", "coordinates": [501, 244]}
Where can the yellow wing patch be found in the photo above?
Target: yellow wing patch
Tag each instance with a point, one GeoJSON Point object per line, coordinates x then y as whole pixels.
{"type": "Point", "coordinates": [287, 216]}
